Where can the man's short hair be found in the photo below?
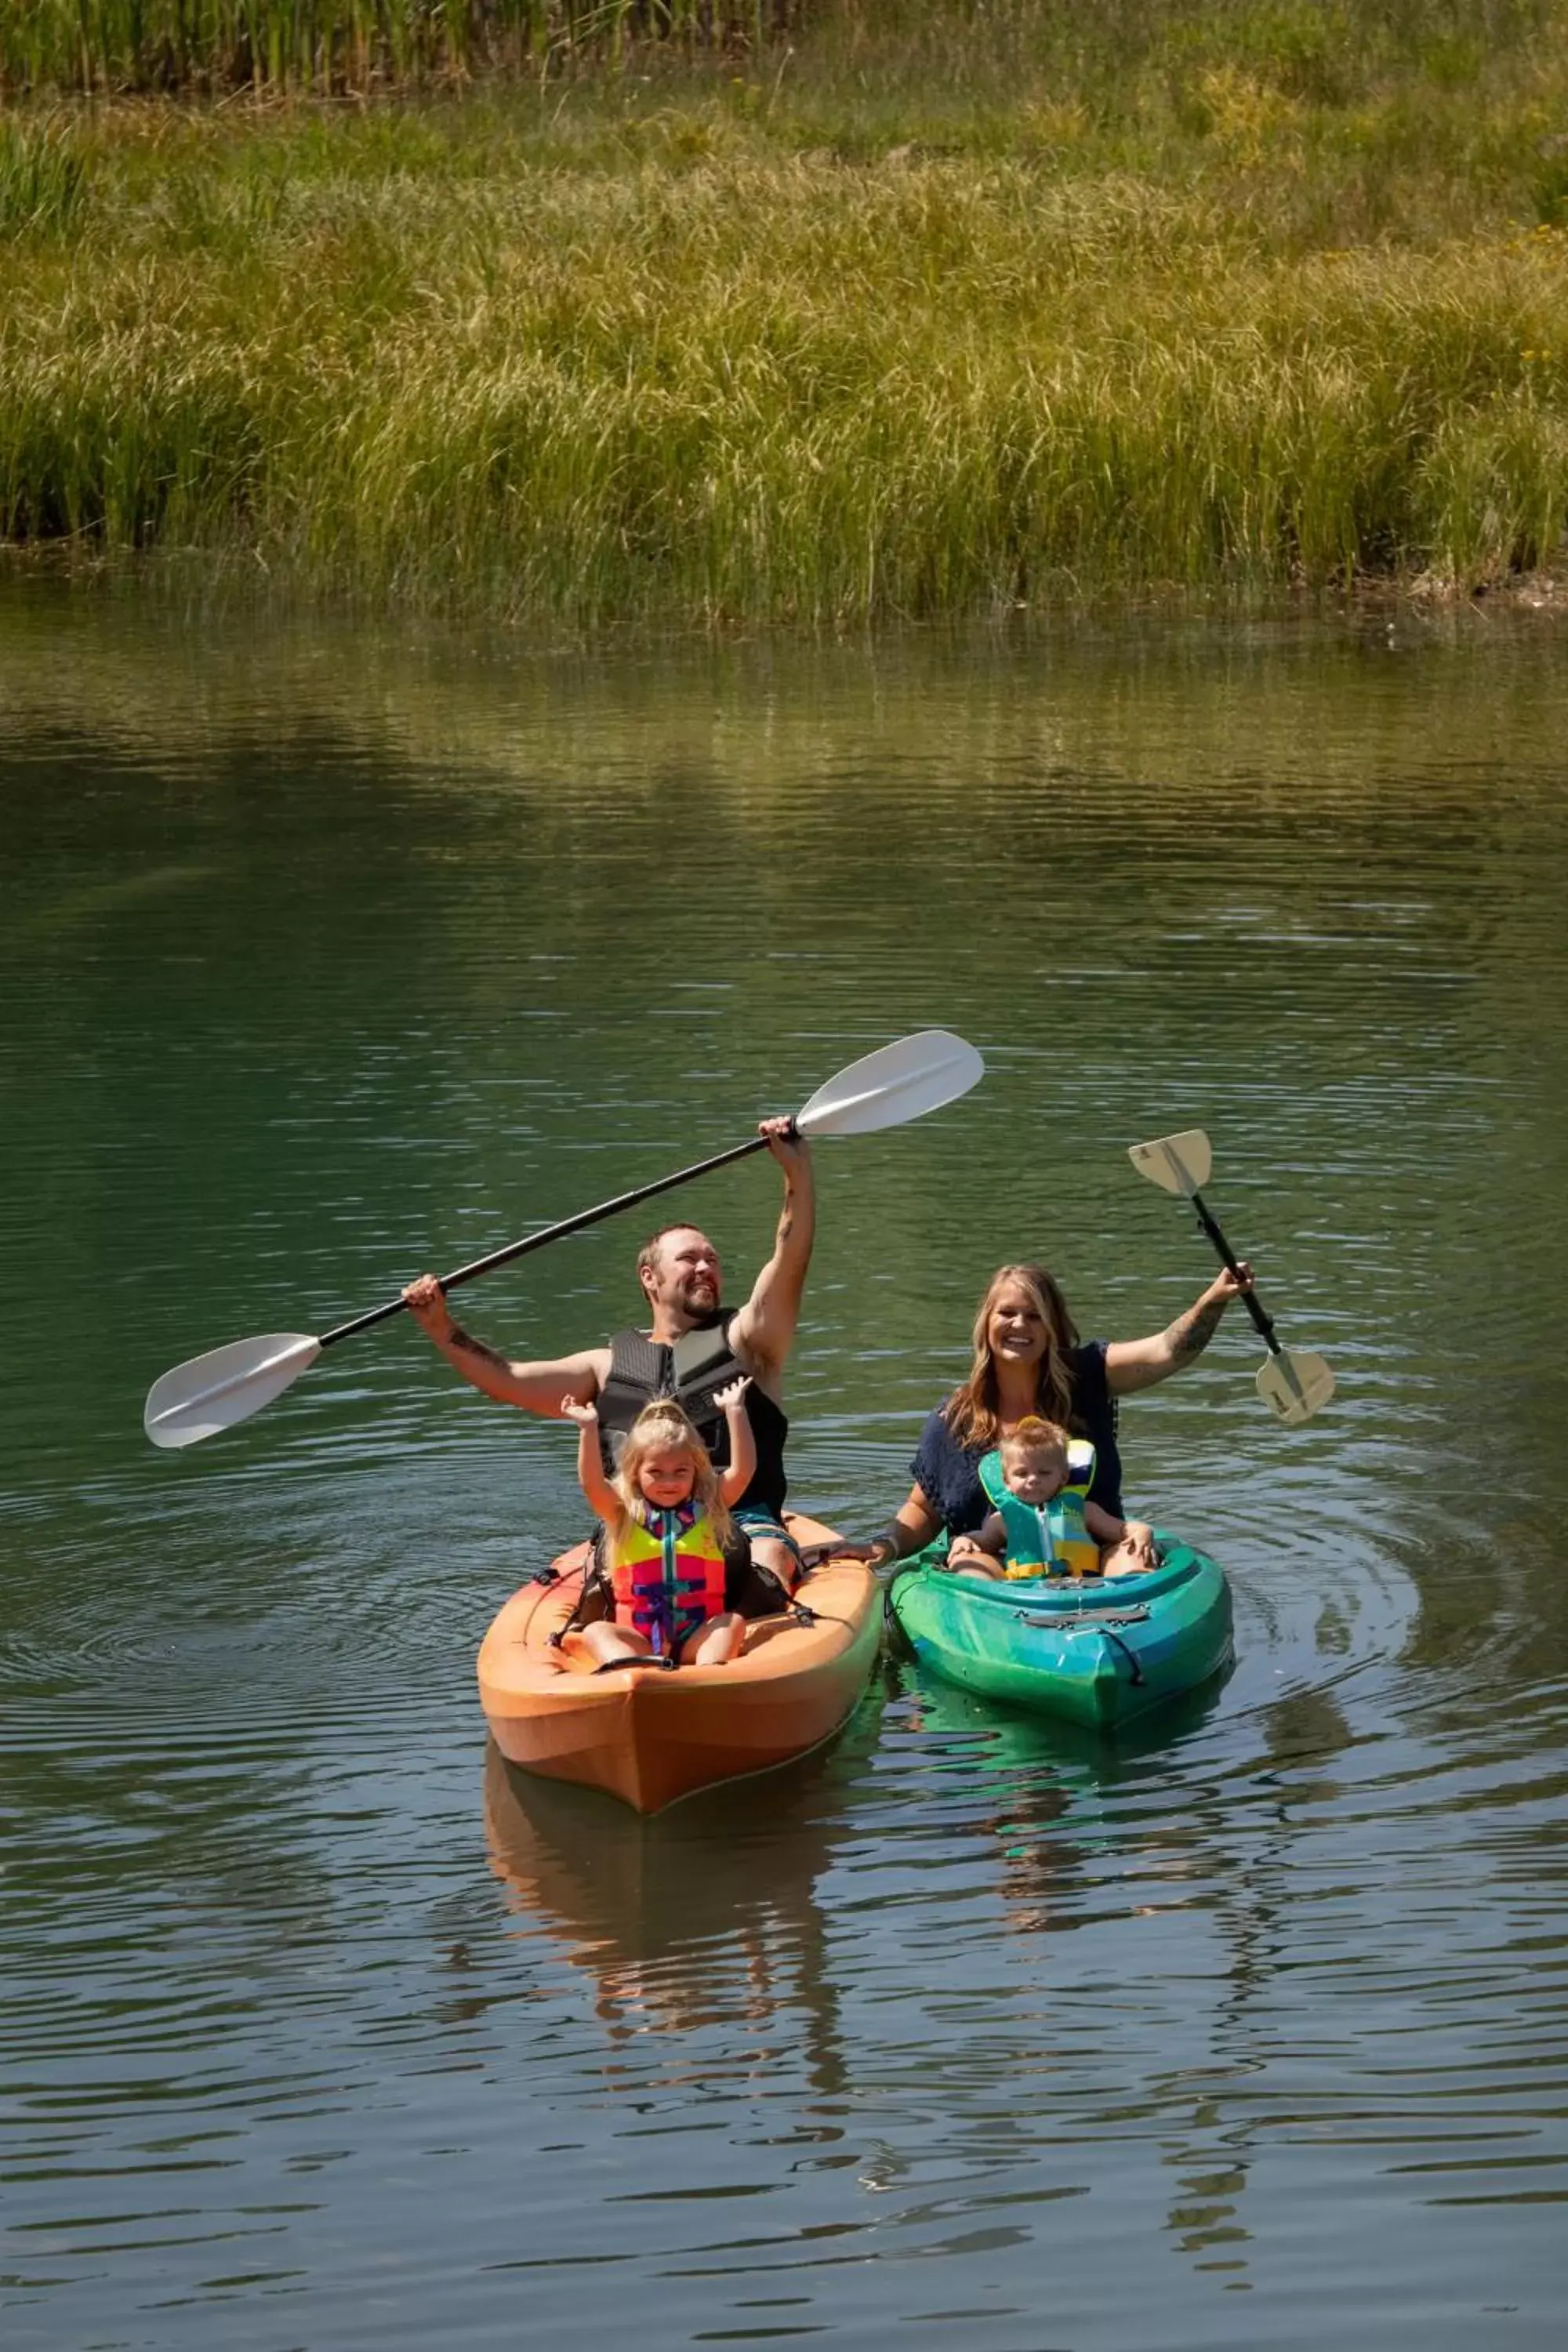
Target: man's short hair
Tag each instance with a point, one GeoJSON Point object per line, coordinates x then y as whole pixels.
{"type": "Point", "coordinates": [647, 1257]}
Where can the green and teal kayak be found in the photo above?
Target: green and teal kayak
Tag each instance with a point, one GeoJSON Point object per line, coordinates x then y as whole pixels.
{"type": "Point", "coordinates": [1094, 1650]}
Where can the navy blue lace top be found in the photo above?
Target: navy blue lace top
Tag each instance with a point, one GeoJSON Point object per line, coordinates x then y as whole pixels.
{"type": "Point", "coordinates": [948, 1473]}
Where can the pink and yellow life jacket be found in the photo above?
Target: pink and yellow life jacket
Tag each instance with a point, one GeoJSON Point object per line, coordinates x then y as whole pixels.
{"type": "Point", "coordinates": [667, 1574]}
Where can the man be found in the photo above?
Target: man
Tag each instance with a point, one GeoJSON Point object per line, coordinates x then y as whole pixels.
{"type": "Point", "coordinates": [691, 1349]}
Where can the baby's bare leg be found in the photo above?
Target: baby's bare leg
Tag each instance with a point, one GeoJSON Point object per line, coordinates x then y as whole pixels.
{"type": "Point", "coordinates": [966, 1558]}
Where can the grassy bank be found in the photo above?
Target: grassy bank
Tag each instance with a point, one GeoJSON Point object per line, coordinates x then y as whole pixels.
{"type": "Point", "coordinates": [884, 321]}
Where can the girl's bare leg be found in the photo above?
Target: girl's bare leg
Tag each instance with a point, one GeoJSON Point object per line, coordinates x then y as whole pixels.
{"type": "Point", "coordinates": [606, 1642]}
{"type": "Point", "coordinates": [717, 1642]}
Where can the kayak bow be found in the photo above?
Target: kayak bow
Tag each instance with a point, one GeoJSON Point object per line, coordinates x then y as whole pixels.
{"type": "Point", "coordinates": [1096, 1650]}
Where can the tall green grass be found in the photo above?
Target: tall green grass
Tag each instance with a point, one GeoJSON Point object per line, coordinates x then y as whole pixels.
{"type": "Point", "coordinates": [324, 46]}
{"type": "Point", "coordinates": [1319, 51]}
{"type": "Point", "coordinates": [796, 339]}
{"type": "Point", "coordinates": [43, 174]}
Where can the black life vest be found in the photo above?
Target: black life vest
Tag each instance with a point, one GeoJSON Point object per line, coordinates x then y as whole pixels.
{"type": "Point", "coordinates": [700, 1363]}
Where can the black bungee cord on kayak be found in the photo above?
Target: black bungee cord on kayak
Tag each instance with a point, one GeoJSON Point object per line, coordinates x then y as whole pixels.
{"type": "Point", "coordinates": [1134, 1670]}
{"type": "Point", "coordinates": [794, 1611]}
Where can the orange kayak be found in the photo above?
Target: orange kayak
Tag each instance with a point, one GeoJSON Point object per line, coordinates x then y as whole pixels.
{"type": "Point", "coordinates": [648, 1736]}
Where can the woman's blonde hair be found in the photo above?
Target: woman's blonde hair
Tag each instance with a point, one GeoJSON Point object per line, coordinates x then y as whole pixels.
{"type": "Point", "coordinates": [973, 1410]}
{"type": "Point", "coordinates": [664, 1422]}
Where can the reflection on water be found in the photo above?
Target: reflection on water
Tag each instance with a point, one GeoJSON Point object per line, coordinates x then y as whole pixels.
{"type": "Point", "coordinates": [339, 953]}
{"type": "Point", "coordinates": [706, 1915]}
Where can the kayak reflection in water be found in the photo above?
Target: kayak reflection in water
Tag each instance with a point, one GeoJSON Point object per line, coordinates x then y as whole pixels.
{"type": "Point", "coordinates": [673, 1565]}
{"type": "Point", "coordinates": [1029, 1363]}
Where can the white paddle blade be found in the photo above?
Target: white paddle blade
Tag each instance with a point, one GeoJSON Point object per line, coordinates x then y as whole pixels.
{"type": "Point", "coordinates": [1177, 1163]}
{"type": "Point", "coordinates": [227, 1384]}
{"type": "Point", "coordinates": [1294, 1385]}
{"type": "Point", "coordinates": [898, 1082]}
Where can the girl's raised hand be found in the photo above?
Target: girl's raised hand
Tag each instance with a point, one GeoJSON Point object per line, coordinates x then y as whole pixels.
{"type": "Point", "coordinates": [584, 1415]}
{"type": "Point", "coordinates": [727, 1399]}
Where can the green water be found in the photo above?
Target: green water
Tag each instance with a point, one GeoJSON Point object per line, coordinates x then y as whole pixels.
{"type": "Point", "coordinates": [328, 955]}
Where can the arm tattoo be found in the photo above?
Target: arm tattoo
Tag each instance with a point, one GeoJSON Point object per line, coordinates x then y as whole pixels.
{"type": "Point", "coordinates": [471, 1347]}
{"type": "Point", "coordinates": [1192, 1332]}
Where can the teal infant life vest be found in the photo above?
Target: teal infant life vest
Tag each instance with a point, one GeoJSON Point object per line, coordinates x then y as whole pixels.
{"type": "Point", "coordinates": [1051, 1540]}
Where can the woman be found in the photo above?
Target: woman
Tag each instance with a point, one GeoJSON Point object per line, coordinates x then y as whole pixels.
{"type": "Point", "coordinates": [1028, 1359]}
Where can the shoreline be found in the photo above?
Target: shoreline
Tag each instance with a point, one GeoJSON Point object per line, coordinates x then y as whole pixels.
{"type": "Point", "coordinates": [229, 583]}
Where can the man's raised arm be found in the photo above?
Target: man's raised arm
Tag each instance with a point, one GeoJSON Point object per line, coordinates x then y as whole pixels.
{"type": "Point", "coordinates": [534, 1387]}
{"type": "Point", "coordinates": [763, 1331]}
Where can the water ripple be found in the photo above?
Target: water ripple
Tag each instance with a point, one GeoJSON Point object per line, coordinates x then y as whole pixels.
{"type": "Point", "coordinates": [1250, 2026]}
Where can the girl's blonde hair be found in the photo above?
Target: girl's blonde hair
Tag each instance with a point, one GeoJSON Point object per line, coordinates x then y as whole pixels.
{"type": "Point", "coordinates": [974, 1409]}
{"type": "Point", "coordinates": [664, 1422]}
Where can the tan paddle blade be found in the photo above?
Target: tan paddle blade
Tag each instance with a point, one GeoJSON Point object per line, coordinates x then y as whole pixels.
{"type": "Point", "coordinates": [1295, 1384]}
{"type": "Point", "coordinates": [1177, 1163]}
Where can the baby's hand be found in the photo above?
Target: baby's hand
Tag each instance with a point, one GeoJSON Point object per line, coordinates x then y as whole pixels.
{"type": "Point", "coordinates": [1135, 1552]}
{"type": "Point", "coordinates": [728, 1399]}
{"type": "Point", "coordinates": [584, 1415]}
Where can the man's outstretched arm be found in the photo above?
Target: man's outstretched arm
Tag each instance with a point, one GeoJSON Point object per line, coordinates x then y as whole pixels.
{"type": "Point", "coordinates": [763, 1331]}
{"type": "Point", "coordinates": [533, 1387]}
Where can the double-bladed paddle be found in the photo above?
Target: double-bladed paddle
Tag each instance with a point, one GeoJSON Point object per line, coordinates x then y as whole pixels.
{"type": "Point", "coordinates": [1294, 1384]}
{"type": "Point", "coordinates": [897, 1083]}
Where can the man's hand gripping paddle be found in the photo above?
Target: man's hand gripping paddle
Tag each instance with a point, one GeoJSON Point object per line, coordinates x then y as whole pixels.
{"type": "Point", "coordinates": [1291, 1383]}
{"type": "Point", "coordinates": [897, 1083]}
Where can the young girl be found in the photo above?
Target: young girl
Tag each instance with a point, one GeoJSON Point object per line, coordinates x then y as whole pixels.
{"type": "Point", "coordinates": [672, 1554]}
{"type": "Point", "coordinates": [1044, 1523]}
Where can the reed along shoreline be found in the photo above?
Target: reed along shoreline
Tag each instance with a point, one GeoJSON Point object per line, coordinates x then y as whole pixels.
{"type": "Point", "coordinates": [824, 336]}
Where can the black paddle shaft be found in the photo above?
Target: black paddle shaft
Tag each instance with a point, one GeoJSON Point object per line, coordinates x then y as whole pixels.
{"type": "Point", "coordinates": [553, 1234]}
{"type": "Point", "coordinates": [1262, 1324]}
